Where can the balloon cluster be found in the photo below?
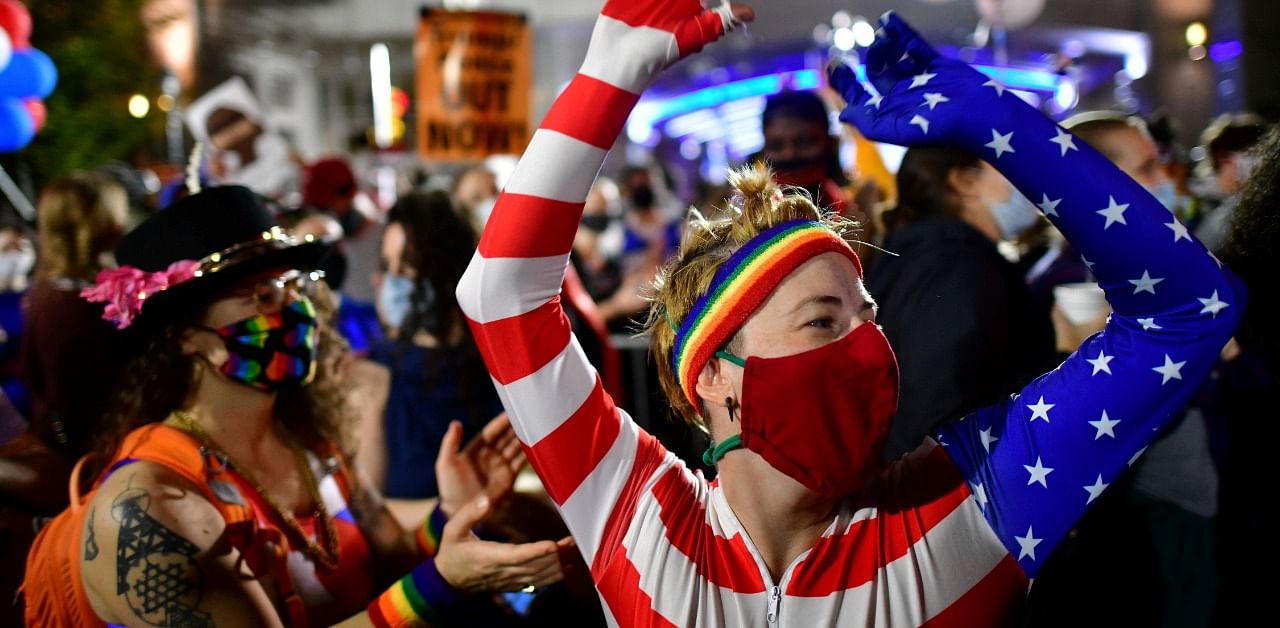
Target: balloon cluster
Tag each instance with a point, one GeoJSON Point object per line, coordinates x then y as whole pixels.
{"type": "Point", "coordinates": [27, 76]}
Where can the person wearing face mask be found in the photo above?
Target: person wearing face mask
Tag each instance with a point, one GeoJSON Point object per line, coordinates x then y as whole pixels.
{"type": "Point", "coordinates": [765, 336]}
{"type": "Point", "coordinates": [1222, 174]}
{"type": "Point", "coordinates": [956, 311]}
{"type": "Point", "coordinates": [1170, 497]}
{"type": "Point", "coordinates": [222, 491]}
{"type": "Point", "coordinates": [649, 238]}
{"type": "Point", "coordinates": [801, 150]}
{"type": "Point", "coordinates": [799, 146]}
{"type": "Point", "coordinates": [67, 361]}
{"type": "Point", "coordinates": [437, 376]}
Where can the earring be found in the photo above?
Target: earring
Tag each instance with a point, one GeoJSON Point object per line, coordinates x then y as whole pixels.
{"type": "Point", "coordinates": [729, 403]}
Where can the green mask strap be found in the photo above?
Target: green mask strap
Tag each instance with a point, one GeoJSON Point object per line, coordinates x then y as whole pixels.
{"type": "Point", "coordinates": [725, 355]}
{"type": "Point", "coordinates": [667, 315]}
{"type": "Point", "coordinates": [715, 452]}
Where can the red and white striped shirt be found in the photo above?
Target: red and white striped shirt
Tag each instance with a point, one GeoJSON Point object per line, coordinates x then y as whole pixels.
{"type": "Point", "coordinates": [664, 547]}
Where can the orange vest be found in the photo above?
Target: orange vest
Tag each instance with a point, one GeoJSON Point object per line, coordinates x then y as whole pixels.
{"type": "Point", "coordinates": [53, 590]}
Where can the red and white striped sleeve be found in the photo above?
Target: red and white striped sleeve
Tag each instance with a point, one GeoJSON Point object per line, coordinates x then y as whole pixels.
{"type": "Point", "coordinates": [592, 459]}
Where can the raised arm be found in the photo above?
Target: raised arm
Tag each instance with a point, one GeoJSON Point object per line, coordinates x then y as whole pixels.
{"type": "Point", "coordinates": [585, 450]}
{"type": "Point", "coordinates": [1036, 461]}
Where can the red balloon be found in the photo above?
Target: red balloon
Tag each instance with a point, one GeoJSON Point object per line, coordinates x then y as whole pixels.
{"type": "Point", "coordinates": [16, 20]}
{"type": "Point", "coordinates": [39, 114]}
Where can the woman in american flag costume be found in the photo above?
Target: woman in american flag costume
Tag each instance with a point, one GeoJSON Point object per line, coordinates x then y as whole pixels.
{"type": "Point", "coordinates": [766, 337]}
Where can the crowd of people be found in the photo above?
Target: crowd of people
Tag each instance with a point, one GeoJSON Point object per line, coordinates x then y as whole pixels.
{"type": "Point", "coordinates": [1033, 359]}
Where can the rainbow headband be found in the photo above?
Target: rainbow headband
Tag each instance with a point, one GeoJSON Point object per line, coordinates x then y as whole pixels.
{"type": "Point", "coordinates": [743, 282]}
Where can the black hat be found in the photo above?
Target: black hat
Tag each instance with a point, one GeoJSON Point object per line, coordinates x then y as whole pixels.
{"type": "Point", "coordinates": [196, 248]}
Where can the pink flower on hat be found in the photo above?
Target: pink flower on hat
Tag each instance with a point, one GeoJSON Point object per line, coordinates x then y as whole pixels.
{"type": "Point", "coordinates": [126, 289]}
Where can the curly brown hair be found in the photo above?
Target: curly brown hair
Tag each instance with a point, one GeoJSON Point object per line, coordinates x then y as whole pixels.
{"type": "Point", "coordinates": [758, 204]}
{"type": "Point", "coordinates": [1252, 249]}
{"type": "Point", "coordinates": [159, 378]}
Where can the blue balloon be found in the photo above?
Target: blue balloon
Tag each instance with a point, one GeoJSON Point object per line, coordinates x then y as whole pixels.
{"type": "Point", "coordinates": [30, 74]}
{"type": "Point", "coordinates": [16, 126]}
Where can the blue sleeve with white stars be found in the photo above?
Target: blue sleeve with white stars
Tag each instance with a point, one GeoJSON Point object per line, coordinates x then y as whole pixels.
{"type": "Point", "coordinates": [1036, 461]}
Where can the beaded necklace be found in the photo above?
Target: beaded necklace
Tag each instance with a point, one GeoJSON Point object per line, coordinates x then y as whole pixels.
{"type": "Point", "coordinates": [327, 555]}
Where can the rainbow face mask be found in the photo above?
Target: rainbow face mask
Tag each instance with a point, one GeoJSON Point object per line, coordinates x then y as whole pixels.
{"type": "Point", "coordinates": [272, 351]}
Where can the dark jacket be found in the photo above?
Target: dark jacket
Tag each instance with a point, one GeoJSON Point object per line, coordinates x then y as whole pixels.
{"type": "Point", "coordinates": [960, 320]}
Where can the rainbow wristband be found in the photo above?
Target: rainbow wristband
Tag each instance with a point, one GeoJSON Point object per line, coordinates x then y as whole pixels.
{"type": "Point", "coordinates": [428, 536]}
{"type": "Point", "coordinates": [415, 600]}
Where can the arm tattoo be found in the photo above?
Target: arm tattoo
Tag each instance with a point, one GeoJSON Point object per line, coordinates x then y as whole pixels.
{"type": "Point", "coordinates": [156, 569]}
{"type": "Point", "coordinates": [366, 502]}
{"type": "Point", "coordinates": [90, 541]}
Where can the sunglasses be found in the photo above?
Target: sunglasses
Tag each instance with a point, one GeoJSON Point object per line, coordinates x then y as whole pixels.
{"type": "Point", "coordinates": [273, 293]}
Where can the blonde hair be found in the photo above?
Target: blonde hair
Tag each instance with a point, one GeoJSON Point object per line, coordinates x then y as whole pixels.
{"type": "Point", "coordinates": [758, 203]}
{"type": "Point", "coordinates": [81, 216]}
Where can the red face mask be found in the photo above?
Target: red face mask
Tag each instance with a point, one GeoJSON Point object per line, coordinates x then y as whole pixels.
{"type": "Point", "coordinates": [822, 416]}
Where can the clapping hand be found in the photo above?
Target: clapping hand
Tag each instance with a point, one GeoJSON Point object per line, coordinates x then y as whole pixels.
{"type": "Point", "coordinates": [471, 480]}
{"type": "Point", "coordinates": [486, 467]}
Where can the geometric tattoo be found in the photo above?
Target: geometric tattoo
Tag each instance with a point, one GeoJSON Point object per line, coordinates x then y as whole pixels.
{"type": "Point", "coordinates": [155, 567]}
{"type": "Point", "coordinates": [90, 542]}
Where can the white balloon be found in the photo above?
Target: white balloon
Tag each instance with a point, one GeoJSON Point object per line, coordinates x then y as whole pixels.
{"type": "Point", "coordinates": [6, 48]}
{"type": "Point", "coordinates": [1013, 14]}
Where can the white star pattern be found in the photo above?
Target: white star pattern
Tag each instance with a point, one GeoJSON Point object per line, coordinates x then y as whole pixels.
{"type": "Point", "coordinates": [1064, 140]}
{"type": "Point", "coordinates": [1114, 212]}
{"type": "Point", "coordinates": [1049, 207]}
{"type": "Point", "coordinates": [1040, 410]}
{"type": "Point", "coordinates": [1039, 473]}
{"type": "Point", "coordinates": [979, 494]}
{"type": "Point", "coordinates": [1179, 230]}
{"type": "Point", "coordinates": [1213, 305]}
{"type": "Point", "coordinates": [875, 101]}
{"type": "Point", "coordinates": [1096, 489]}
{"type": "Point", "coordinates": [933, 99]}
{"type": "Point", "coordinates": [1106, 425]}
{"type": "Point", "coordinates": [1000, 143]}
{"type": "Point", "coordinates": [986, 438]}
{"type": "Point", "coordinates": [1027, 544]}
{"type": "Point", "coordinates": [921, 122]}
{"type": "Point", "coordinates": [1088, 264]}
{"type": "Point", "coordinates": [994, 84]}
{"type": "Point", "coordinates": [1148, 324]}
{"type": "Point", "coordinates": [920, 80]}
{"type": "Point", "coordinates": [1102, 363]}
{"type": "Point", "coordinates": [1170, 369]}
{"type": "Point", "coordinates": [1145, 283]}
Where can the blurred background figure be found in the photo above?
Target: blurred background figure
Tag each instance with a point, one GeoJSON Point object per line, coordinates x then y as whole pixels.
{"type": "Point", "coordinates": [474, 192]}
{"type": "Point", "coordinates": [597, 245]}
{"type": "Point", "coordinates": [436, 374]}
{"type": "Point", "coordinates": [1222, 173]}
{"type": "Point", "coordinates": [957, 312]}
{"type": "Point", "coordinates": [800, 148]}
{"type": "Point", "coordinates": [1247, 386]}
{"type": "Point", "coordinates": [650, 234]}
{"type": "Point", "coordinates": [1155, 530]}
{"type": "Point", "coordinates": [330, 186]}
{"type": "Point", "coordinates": [330, 190]}
{"type": "Point", "coordinates": [17, 258]}
{"type": "Point", "coordinates": [69, 360]}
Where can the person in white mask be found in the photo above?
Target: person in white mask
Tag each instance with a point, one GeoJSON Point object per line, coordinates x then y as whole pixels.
{"type": "Point", "coordinates": [1126, 141]}
{"type": "Point", "coordinates": [1219, 178]}
{"type": "Point", "coordinates": [1172, 492]}
{"type": "Point", "coordinates": [956, 311]}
